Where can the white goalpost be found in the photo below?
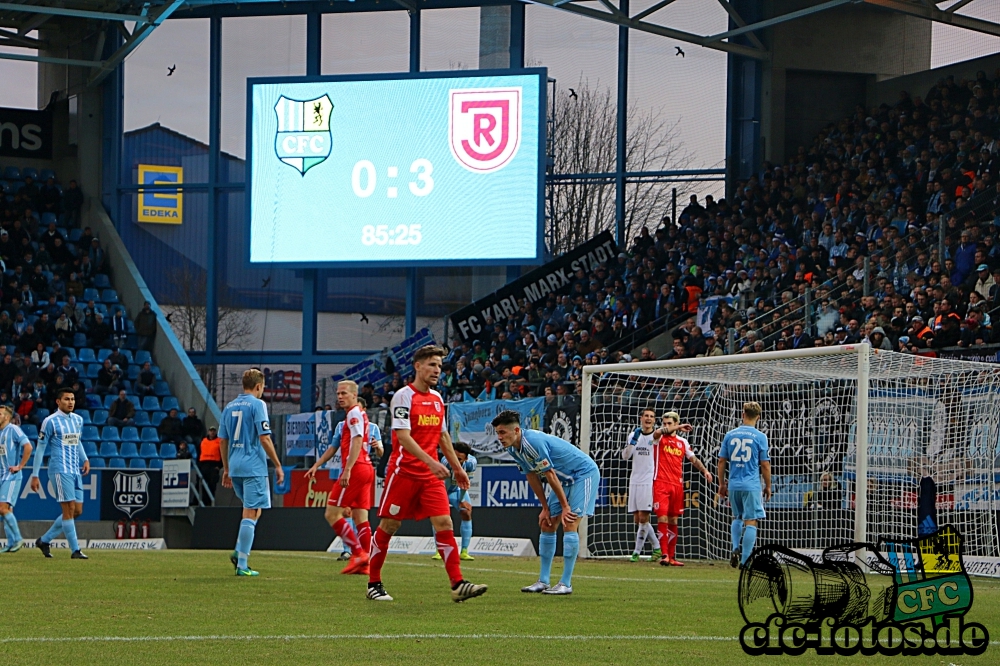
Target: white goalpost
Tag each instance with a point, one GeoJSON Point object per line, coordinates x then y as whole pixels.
{"type": "Point", "coordinates": [864, 444]}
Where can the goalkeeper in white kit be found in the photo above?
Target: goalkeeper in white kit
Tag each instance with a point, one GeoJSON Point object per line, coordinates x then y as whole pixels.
{"type": "Point", "coordinates": [640, 485]}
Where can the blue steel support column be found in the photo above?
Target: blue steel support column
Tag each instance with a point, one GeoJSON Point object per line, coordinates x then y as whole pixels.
{"type": "Point", "coordinates": [411, 273]}
{"type": "Point", "coordinates": [620, 165]}
{"type": "Point", "coordinates": [310, 278]}
{"type": "Point", "coordinates": [113, 101]}
{"type": "Point", "coordinates": [516, 61]}
{"type": "Point", "coordinates": [743, 105]}
{"type": "Point", "coordinates": [212, 282]}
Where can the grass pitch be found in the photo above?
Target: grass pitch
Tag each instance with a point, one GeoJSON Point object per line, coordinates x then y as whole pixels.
{"type": "Point", "coordinates": [123, 607]}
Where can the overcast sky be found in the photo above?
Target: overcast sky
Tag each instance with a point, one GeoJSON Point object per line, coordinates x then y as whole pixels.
{"type": "Point", "coordinates": [690, 90]}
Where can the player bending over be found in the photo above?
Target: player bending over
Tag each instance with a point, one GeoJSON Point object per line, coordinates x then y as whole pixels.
{"type": "Point", "coordinates": [15, 449]}
{"type": "Point", "coordinates": [640, 483]}
{"type": "Point", "coordinates": [745, 449]}
{"type": "Point", "coordinates": [245, 445]}
{"type": "Point", "coordinates": [357, 479]}
{"type": "Point", "coordinates": [573, 480]}
{"type": "Point", "coordinates": [459, 498]}
{"type": "Point", "coordinates": [668, 483]}
{"type": "Point", "coordinates": [414, 482]}
{"type": "Point", "coordinates": [61, 431]}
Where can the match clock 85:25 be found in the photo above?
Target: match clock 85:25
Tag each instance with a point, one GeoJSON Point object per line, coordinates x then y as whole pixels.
{"type": "Point", "coordinates": [364, 179]}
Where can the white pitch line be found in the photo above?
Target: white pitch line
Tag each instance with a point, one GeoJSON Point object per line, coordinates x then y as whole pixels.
{"type": "Point", "coordinates": [524, 573]}
{"type": "Point", "coordinates": [339, 637]}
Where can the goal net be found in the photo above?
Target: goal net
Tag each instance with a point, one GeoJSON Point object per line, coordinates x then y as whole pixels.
{"type": "Point", "coordinates": [929, 445]}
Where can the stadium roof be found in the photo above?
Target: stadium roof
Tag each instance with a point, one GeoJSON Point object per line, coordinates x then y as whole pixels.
{"type": "Point", "coordinates": [136, 20]}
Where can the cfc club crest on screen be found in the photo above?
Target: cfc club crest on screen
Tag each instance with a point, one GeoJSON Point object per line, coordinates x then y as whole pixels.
{"type": "Point", "coordinates": [485, 127]}
{"type": "Point", "coordinates": [303, 139]}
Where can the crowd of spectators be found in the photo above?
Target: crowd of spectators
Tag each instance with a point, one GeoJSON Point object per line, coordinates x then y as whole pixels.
{"type": "Point", "coordinates": [786, 255]}
{"type": "Point", "coordinates": [42, 310]}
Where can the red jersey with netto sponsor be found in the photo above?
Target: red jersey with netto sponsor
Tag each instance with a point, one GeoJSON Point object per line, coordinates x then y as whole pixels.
{"type": "Point", "coordinates": [423, 415]}
{"type": "Point", "coordinates": [355, 425]}
{"type": "Point", "coordinates": [668, 460]}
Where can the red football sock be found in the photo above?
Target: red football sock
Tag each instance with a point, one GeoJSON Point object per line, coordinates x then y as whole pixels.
{"type": "Point", "coordinates": [664, 530]}
{"type": "Point", "coordinates": [346, 533]}
{"type": "Point", "coordinates": [365, 536]}
{"type": "Point", "coordinates": [380, 548]}
{"type": "Point", "coordinates": [445, 541]}
{"type": "Point", "coordinates": [671, 541]}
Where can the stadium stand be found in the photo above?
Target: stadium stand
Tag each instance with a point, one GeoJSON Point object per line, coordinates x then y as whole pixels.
{"type": "Point", "coordinates": [62, 324]}
{"type": "Point", "coordinates": [839, 245]}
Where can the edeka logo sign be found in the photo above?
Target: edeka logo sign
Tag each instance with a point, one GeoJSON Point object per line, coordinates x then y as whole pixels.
{"type": "Point", "coordinates": [910, 599]}
{"type": "Point", "coordinates": [303, 139]}
{"type": "Point", "coordinates": [164, 202]}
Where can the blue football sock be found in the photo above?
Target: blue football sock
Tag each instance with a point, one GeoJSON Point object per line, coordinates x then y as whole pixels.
{"type": "Point", "coordinates": [749, 538]}
{"type": "Point", "coordinates": [13, 531]}
{"type": "Point", "coordinates": [466, 530]}
{"type": "Point", "coordinates": [571, 548]}
{"type": "Point", "coordinates": [69, 528]}
{"type": "Point", "coordinates": [54, 531]}
{"type": "Point", "coordinates": [546, 551]}
{"type": "Point", "coordinates": [245, 542]}
{"type": "Point", "coordinates": [737, 533]}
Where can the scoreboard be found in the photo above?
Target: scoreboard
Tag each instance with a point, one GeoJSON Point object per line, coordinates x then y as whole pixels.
{"type": "Point", "coordinates": [401, 169]}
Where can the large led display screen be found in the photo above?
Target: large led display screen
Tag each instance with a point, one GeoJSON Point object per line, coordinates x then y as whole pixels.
{"type": "Point", "coordinates": [404, 169]}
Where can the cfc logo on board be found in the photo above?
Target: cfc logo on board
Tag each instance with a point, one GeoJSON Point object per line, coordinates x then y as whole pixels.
{"type": "Point", "coordinates": [303, 139]}
{"type": "Point", "coordinates": [428, 420]}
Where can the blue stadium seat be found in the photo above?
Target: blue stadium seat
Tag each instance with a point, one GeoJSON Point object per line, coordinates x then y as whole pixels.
{"type": "Point", "coordinates": [103, 354]}
{"type": "Point", "coordinates": [108, 399]}
{"type": "Point", "coordinates": [74, 236]}
{"type": "Point", "coordinates": [100, 416]}
{"type": "Point", "coordinates": [148, 450]}
{"type": "Point", "coordinates": [90, 432]}
{"type": "Point", "coordinates": [150, 435]}
{"type": "Point", "coordinates": [168, 451]}
{"type": "Point", "coordinates": [155, 463]}
{"type": "Point", "coordinates": [102, 308]}
{"type": "Point", "coordinates": [12, 173]}
{"type": "Point", "coordinates": [129, 450]}
{"type": "Point", "coordinates": [150, 403]}
{"type": "Point", "coordinates": [116, 463]}
{"type": "Point", "coordinates": [49, 218]}
{"type": "Point", "coordinates": [101, 281]}
{"type": "Point", "coordinates": [42, 412]}
{"type": "Point", "coordinates": [98, 463]}
{"type": "Point", "coordinates": [109, 449]}
{"type": "Point", "coordinates": [161, 388]}
{"type": "Point", "coordinates": [90, 448]}
{"type": "Point", "coordinates": [45, 174]}
{"type": "Point", "coordinates": [30, 431]}
{"type": "Point", "coordinates": [91, 294]}
{"type": "Point", "coordinates": [156, 372]}
{"type": "Point", "coordinates": [130, 434]}
{"type": "Point", "coordinates": [29, 172]}
{"type": "Point", "coordinates": [143, 356]}
{"type": "Point", "coordinates": [80, 340]}
{"type": "Point", "coordinates": [109, 296]}
{"type": "Point", "coordinates": [80, 368]}
{"type": "Point", "coordinates": [110, 434]}
{"type": "Point", "coordinates": [93, 401]}
{"type": "Point", "coordinates": [84, 414]}
{"type": "Point", "coordinates": [170, 402]}
{"type": "Point", "coordinates": [142, 418]}
{"type": "Point", "coordinates": [133, 372]}
{"type": "Point", "coordinates": [137, 463]}
{"type": "Point", "coordinates": [157, 417]}
{"type": "Point", "coordinates": [71, 353]}
{"type": "Point", "coordinates": [93, 369]}
{"type": "Point", "coordinates": [134, 399]}
{"type": "Point", "coordinates": [128, 354]}
{"type": "Point", "coordinates": [86, 355]}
